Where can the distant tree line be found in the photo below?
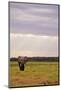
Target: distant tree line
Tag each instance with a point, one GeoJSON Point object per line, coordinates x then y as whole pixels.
{"type": "Point", "coordinates": [50, 59]}
{"type": "Point", "coordinates": [44, 59]}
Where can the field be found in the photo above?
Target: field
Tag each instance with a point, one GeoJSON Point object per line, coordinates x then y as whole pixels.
{"type": "Point", "coordinates": [35, 73]}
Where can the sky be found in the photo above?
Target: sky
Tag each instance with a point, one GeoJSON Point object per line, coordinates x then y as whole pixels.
{"type": "Point", "coordinates": [33, 30]}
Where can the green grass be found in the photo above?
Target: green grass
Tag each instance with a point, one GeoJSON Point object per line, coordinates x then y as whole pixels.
{"type": "Point", "coordinates": [35, 73]}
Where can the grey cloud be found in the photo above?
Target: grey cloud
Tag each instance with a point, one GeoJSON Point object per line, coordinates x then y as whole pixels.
{"type": "Point", "coordinates": [34, 18]}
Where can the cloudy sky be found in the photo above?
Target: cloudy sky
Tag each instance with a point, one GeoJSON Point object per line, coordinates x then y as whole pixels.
{"type": "Point", "coordinates": [33, 30]}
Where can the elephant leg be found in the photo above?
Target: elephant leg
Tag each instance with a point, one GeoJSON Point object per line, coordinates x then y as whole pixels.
{"type": "Point", "coordinates": [19, 65]}
{"type": "Point", "coordinates": [22, 67]}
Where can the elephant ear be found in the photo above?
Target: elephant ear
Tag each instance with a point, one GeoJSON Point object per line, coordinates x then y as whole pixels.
{"type": "Point", "coordinates": [19, 58]}
{"type": "Point", "coordinates": [25, 59]}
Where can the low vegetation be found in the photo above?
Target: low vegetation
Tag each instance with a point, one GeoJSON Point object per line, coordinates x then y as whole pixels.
{"type": "Point", "coordinates": [35, 73]}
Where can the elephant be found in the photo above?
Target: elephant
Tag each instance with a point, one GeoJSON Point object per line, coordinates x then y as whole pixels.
{"type": "Point", "coordinates": [21, 62]}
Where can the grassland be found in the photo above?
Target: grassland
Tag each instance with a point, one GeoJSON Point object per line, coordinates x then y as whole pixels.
{"type": "Point", "coordinates": [35, 73]}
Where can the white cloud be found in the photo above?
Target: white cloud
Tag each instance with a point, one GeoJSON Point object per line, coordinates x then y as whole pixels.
{"type": "Point", "coordinates": [33, 45]}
